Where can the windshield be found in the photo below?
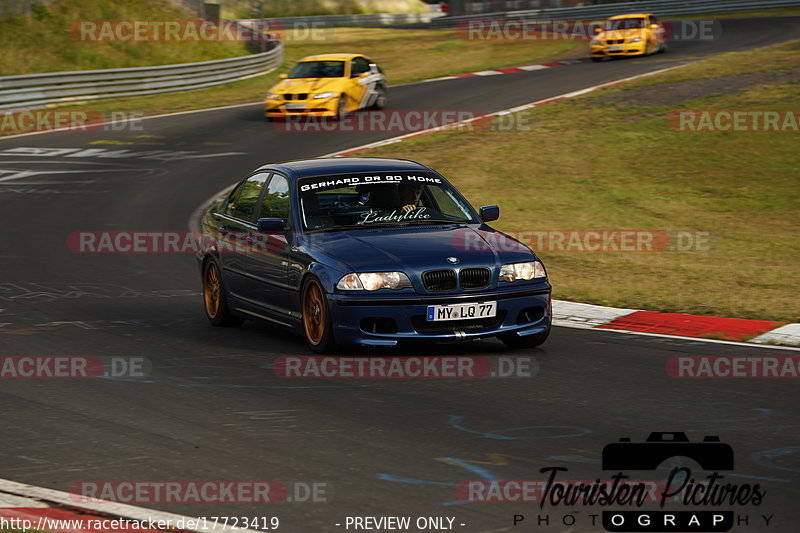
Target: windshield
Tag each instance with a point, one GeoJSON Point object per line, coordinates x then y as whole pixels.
{"type": "Point", "coordinates": [625, 24]}
{"type": "Point", "coordinates": [318, 69]}
{"type": "Point", "coordinates": [364, 201]}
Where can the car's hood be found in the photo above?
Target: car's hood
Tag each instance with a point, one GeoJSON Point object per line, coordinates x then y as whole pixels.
{"type": "Point", "coordinates": [621, 34]}
{"type": "Point", "coordinates": [419, 248]}
{"type": "Point", "coordinates": [306, 85]}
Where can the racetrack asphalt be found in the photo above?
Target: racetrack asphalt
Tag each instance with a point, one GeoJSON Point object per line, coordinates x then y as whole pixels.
{"type": "Point", "coordinates": [214, 410]}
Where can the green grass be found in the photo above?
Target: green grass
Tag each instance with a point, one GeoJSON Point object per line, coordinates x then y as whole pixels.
{"type": "Point", "coordinates": [437, 53]}
{"type": "Point", "coordinates": [597, 162]}
{"type": "Point", "coordinates": [42, 42]}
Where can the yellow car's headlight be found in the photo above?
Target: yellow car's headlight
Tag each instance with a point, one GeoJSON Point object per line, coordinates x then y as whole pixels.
{"type": "Point", "coordinates": [272, 96]}
{"type": "Point", "coordinates": [326, 94]}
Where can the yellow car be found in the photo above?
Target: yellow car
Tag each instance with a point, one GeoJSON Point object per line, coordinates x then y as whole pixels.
{"type": "Point", "coordinates": [327, 85]}
{"type": "Point", "coordinates": [637, 34]}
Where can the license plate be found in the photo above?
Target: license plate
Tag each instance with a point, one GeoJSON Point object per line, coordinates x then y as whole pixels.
{"type": "Point", "coordinates": [461, 311]}
{"type": "Point", "coordinates": [295, 107]}
{"type": "Point", "coordinates": [615, 48]}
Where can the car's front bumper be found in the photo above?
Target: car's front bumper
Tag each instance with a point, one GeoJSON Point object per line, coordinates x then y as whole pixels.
{"type": "Point", "coordinates": [323, 107]}
{"type": "Point", "coordinates": [364, 319]}
{"type": "Point", "coordinates": [628, 49]}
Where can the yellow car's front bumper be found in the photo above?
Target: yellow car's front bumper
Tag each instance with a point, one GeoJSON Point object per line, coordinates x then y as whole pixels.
{"type": "Point", "coordinates": [311, 107]}
{"type": "Point", "coordinates": [619, 50]}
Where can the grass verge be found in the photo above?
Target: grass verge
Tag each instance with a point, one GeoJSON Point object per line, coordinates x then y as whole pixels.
{"type": "Point", "coordinates": [609, 161]}
{"type": "Point", "coordinates": [43, 42]}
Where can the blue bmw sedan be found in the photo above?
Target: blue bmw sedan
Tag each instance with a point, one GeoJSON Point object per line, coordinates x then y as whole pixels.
{"type": "Point", "coordinates": [368, 251]}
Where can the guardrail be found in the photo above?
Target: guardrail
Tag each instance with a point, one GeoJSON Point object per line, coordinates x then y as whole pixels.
{"type": "Point", "coordinates": [36, 90]}
{"type": "Point", "coordinates": [376, 19]}
{"type": "Point", "coordinates": [660, 8]}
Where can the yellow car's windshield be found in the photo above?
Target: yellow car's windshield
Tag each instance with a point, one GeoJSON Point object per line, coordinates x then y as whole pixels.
{"type": "Point", "coordinates": [625, 24]}
{"type": "Point", "coordinates": [318, 69]}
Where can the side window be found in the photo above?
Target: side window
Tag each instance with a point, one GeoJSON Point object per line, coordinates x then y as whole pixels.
{"type": "Point", "coordinates": [276, 199]}
{"type": "Point", "coordinates": [359, 66]}
{"type": "Point", "coordinates": [247, 198]}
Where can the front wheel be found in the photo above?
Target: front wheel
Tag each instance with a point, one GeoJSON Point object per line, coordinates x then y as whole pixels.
{"type": "Point", "coordinates": [512, 340]}
{"type": "Point", "coordinates": [317, 324]}
{"type": "Point", "coordinates": [215, 299]}
{"type": "Point", "coordinates": [341, 108]}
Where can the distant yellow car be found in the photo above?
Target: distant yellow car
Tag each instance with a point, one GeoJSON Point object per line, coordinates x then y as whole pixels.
{"type": "Point", "coordinates": [327, 85]}
{"type": "Point", "coordinates": [636, 34]}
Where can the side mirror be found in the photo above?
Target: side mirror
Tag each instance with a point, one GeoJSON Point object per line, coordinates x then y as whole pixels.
{"type": "Point", "coordinates": [597, 29]}
{"type": "Point", "coordinates": [654, 26]}
{"type": "Point", "coordinates": [271, 225]}
{"type": "Point", "coordinates": [490, 213]}
{"type": "Point", "coordinates": [283, 76]}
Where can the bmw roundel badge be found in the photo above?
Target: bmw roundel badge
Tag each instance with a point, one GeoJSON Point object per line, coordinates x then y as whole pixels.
{"type": "Point", "coordinates": [453, 260]}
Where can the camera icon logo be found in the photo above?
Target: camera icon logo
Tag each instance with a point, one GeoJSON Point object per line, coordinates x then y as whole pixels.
{"type": "Point", "coordinates": [710, 454]}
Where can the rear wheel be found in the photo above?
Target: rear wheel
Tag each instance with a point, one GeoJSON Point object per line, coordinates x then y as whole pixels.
{"type": "Point", "coordinates": [317, 324]}
{"type": "Point", "coordinates": [512, 340]}
{"type": "Point", "coordinates": [597, 59]}
{"type": "Point", "coordinates": [380, 100]}
{"type": "Point", "coordinates": [215, 299]}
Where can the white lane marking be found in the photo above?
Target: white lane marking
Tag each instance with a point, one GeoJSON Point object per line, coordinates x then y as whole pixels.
{"type": "Point", "coordinates": [121, 510]}
{"type": "Point", "coordinates": [568, 324]}
{"type": "Point", "coordinates": [788, 334]}
{"type": "Point", "coordinates": [497, 113]}
{"type": "Point", "coordinates": [531, 68]}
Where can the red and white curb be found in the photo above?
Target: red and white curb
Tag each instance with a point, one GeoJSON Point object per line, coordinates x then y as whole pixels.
{"type": "Point", "coordinates": [508, 70]}
{"type": "Point", "coordinates": [61, 512]}
{"type": "Point", "coordinates": [572, 314]}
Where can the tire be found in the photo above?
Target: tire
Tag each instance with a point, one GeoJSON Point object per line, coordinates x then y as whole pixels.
{"type": "Point", "coordinates": [215, 297]}
{"type": "Point", "coordinates": [380, 100]}
{"type": "Point", "coordinates": [597, 59]}
{"type": "Point", "coordinates": [663, 48]}
{"type": "Point", "coordinates": [316, 318]}
{"type": "Point", "coordinates": [340, 108]}
{"type": "Point", "coordinates": [514, 341]}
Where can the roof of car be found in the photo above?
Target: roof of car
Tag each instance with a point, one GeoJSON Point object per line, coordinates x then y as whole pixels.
{"type": "Point", "coordinates": [330, 57]}
{"type": "Point", "coordinates": [630, 16]}
{"type": "Point", "coordinates": [344, 165]}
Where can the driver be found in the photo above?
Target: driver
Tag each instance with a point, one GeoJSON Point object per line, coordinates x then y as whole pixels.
{"type": "Point", "coordinates": [409, 194]}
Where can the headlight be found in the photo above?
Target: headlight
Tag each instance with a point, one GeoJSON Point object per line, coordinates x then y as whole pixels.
{"type": "Point", "coordinates": [636, 40]}
{"type": "Point", "coordinates": [372, 281]}
{"type": "Point", "coordinates": [326, 94]}
{"type": "Point", "coordinates": [518, 271]}
{"type": "Point", "coordinates": [272, 96]}
{"type": "Point", "coordinates": [597, 43]}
